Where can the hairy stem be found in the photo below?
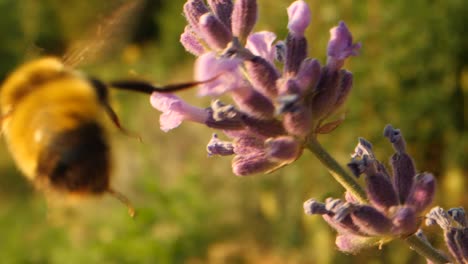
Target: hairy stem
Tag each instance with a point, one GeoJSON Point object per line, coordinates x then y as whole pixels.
{"type": "Point", "coordinates": [340, 174]}
{"type": "Point", "coordinates": [352, 186]}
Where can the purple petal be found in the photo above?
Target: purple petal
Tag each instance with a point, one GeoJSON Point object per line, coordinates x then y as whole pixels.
{"type": "Point", "coordinates": [341, 45]}
{"type": "Point", "coordinates": [209, 66]}
{"type": "Point", "coordinates": [299, 122]}
{"type": "Point", "coordinates": [175, 110]}
{"type": "Point", "coordinates": [299, 17]}
{"type": "Point", "coordinates": [261, 44]}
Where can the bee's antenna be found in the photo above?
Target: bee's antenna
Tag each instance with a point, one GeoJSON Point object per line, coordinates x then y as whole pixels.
{"type": "Point", "coordinates": [123, 199]}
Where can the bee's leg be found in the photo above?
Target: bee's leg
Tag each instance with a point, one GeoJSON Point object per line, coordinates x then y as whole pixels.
{"type": "Point", "coordinates": [103, 95]}
{"type": "Point", "coordinates": [148, 88]}
{"type": "Point", "coordinates": [123, 199]}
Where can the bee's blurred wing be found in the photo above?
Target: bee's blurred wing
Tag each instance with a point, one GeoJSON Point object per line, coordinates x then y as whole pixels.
{"type": "Point", "coordinates": [105, 36]}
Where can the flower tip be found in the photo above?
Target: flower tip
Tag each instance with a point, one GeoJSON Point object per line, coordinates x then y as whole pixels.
{"type": "Point", "coordinates": [299, 17]}
{"type": "Point", "coordinates": [341, 44]}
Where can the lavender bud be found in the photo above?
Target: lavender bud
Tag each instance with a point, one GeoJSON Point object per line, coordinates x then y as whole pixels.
{"type": "Point", "coordinates": [326, 94]}
{"type": "Point", "coordinates": [396, 138]}
{"type": "Point", "coordinates": [252, 102]}
{"type": "Point", "coordinates": [299, 17]}
{"type": "Point", "coordinates": [223, 10]}
{"type": "Point", "coordinates": [363, 147]}
{"type": "Point", "coordinates": [344, 226]}
{"type": "Point", "coordinates": [308, 75]}
{"type": "Point", "coordinates": [459, 216]}
{"type": "Point", "coordinates": [288, 86]}
{"type": "Point", "coordinates": [405, 221]}
{"type": "Point", "coordinates": [244, 17]}
{"type": "Point", "coordinates": [246, 144]}
{"type": "Point", "coordinates": [193, 10]}
{"type": "Point", "coordinates": [380, 191]}
{"type": "Point", "coordinates": [422, 193]}
{"type": "Point", "coordinates": [356, 167]}
{"type": "Point", "coordinates": [371, 221]}
{"type": "Point", "coordinates": [296, 52]}
{"type": "Point", "coordinates": [311, 206]}
{"type": "Point", "coordinates": [340, 46]}
{"type": "Point", "coordinates": [252, 164]}
{"type": "Point", "coordinates": [298, 123]}
{"type": "Point", "coordinates": [403, 174]}
{"type": "Point", "coordinates": [338, 217]}
{"type": "Point", "coordinates": [191, 43]}
{"type": "Point", "coordinates": [214, 32]}
{"type": "Point", "coordinates": [265, 128]}
{"type": "Point", "coordinates": [342, 211]}
{"type": "Point", "coordinates": [345, 87]}
{"type": "Point", "coordinates": [438, 216]}
{"type": "Point", "coordinates": [333, 205]}
{"type": "Point", "coordinates": [462, 239]}
{"type": "Point", "coordinates": [263, 76]}
{"type": "Point", "coordinates": [284, 148]}
{"type": "Point", "coordinates": [218, 147]}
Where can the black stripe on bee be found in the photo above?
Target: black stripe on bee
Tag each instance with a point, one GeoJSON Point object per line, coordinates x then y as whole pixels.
{"type": "Point", "coordinates": [77, 160]}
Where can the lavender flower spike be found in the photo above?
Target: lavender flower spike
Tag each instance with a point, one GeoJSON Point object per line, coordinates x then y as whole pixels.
{"type": "Point", "coordinates": [341, 46]}
{"type": "Point", "coordinates": [275, 108]}
{"type": "Point", "coordinates": [386, 217]}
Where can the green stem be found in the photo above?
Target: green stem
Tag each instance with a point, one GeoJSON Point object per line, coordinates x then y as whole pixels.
{"type": "Point", "coordinates": [340, 175]}
{"type": "Point", "coordinates": [351, 185]}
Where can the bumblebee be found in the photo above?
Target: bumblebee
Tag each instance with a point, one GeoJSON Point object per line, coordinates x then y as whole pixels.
{"type": "Point", "coordinates": [53, 121]}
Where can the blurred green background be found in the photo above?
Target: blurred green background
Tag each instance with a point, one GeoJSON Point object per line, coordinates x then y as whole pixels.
{"type": "Point", "coordinates": [412, 73]}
